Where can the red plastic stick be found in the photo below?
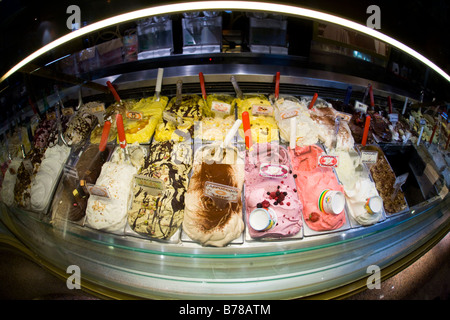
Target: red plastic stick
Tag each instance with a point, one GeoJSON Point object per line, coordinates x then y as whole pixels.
{"type": "Point", "coordinates": [277, 85]}
{"type": "Point", "coordinates": [366, 130]}
{"type": "Point", "coordinates": [247, 130]}
{"type": "Point", "coordinates": [33, 106]}
{"type": "Point", "coordinates": [372, 101]}
{"type": "Point", "coordinates": [121, 131]}
{"type": "Point", "coordinates": [202, 84]}
{"type": "Point", "coordinates": [113, 91]}
{"type": "Point", "coordinates": [313, 100]}
{"type": "Point", "coordinates": [105, 134]}
{"type": "Point", "coordinates": [434, 131]}
{"type": "Point", "coordinates": [390, 104]}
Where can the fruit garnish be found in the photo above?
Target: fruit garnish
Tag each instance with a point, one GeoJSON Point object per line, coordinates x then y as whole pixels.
{"type": "Point", "coordinates": [314, 216]}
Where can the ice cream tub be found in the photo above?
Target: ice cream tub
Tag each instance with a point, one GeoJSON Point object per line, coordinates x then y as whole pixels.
{"type": "Point", "coordinates": [331, 201]}
{"type": "Point", "coordinates": [262, 219]}
{"type": "Point", "coordinates": [374, 205]}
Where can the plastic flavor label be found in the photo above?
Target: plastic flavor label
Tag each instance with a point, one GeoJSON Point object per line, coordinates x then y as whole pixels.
{"type": "Point", "coordinates": [361, 107]}
{"type": "Point", "coordinates": [290, 113]}
{"type": "Point", "coordinates": [67, 111]}
{"type": "Point", "coordinates": [261, 110]}
{"type": "Point", "coordinates": [133, 115]}
{"type": "Point", "coordinates": [51, 116]}
{"type": "Point", "coordinates": [220, 191]}
{"type": "Point", "coordinates": [344, 116]}
{"type": "Point", "coordinates": [326, 160]}
{"type": "Point", "coordinates": [100, 191]}
{"type": "Point", "coordinates": [221, 107]}
{"type": "Point", "coordinates": [369, 157]}
{"type": "Point", "coordinates": [98, 109]}
{"type": "Point", "coordinates": [393, 117]}
{"type": "Point", "coordinates": [153, 186]}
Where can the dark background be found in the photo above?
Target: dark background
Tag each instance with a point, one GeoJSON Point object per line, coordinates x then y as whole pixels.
{"type": "Point", "coordinates": [422, 25]}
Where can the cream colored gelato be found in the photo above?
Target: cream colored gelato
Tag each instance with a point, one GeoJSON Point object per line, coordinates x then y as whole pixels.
{"type": "Point", "coordinates": [110, 214]}
{"type": "Point", "coordinates": [358, 187]}
{"type": "Point", "coordinates": [44, 182]}
{"type": "Point", "coordinates": [306, 128]}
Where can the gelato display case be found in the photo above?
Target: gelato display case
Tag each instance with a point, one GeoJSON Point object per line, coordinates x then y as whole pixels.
{"type": "Point", "coordinates": [147, 208]}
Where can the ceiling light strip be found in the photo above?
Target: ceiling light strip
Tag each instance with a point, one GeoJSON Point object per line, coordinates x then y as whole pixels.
{"type": "Point", "coordinates": [225, 5]}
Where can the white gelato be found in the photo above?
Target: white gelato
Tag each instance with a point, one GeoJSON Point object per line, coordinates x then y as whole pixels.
{"type": "Point", "coordinates": [46, 178]}
{"type": "Point", "coordinates": [357, 187]}
{"type": "Point", "coordinates": [110, 214]}
{"type": "Point", "coordinates": [306, 128]}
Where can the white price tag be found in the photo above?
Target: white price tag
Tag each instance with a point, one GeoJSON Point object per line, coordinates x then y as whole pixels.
{"type": "Point", "coordinates": [325, 160]}
{"type": "Point", "coordinates": [220, 191]}
{"type": "Point", "coordinates": [290, 113]}
{"type": "Point", "coordinates": [393, 117]}
{"type": "Point", "coordinates": [67, 111]}
{"type": "Point", "coordinates": [133, 115]}
{"type": "Point", "coordinates": [99, 191]}
{"type": "Point", "coordinates": [221, 107]}
{"type": "Point", "coordinates": [361, 107]}
{"type": "Point", "coordinates": [262, 110]}
{"type": "Point", "coordinates": [369, 157]}
{"type": "Point", "coordinates": [344, 116]}
{"type": "Point", "coordinates": [153, 186]}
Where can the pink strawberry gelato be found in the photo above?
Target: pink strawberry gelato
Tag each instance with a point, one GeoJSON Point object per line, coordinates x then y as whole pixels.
{"type": "Point", "coordinates": [311, 180]}
{"type": "Point", "coordinates": [276, 193]}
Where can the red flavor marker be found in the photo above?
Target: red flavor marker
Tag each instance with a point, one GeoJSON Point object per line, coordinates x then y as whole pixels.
{"type": "Point", "coordinates": [313, 100]}
{"type": "Point", "coordinates": [434, 131]}
{"type": "Point", "coordinates": [247, 130]}
{"type": "Point", "coordinates": [202, 84]}
{"type": "Point", "coordinates": [113, 91]}
{"type": "Point", "coordinates": [35, 111]}
{"type": "Point", "coordinates": [366, 131]}
{"type": "Point", "coordinates": [390, 104]}
{"type": "Point", "coordinates": [105, 134]}
{"type": "Point", "coordinates": [448, 140]}
{"type": "Point", "coordinates": [372, 101]}
{"type": "Point", "coordinates": [277, 85]}
{"type": "Point", "coordinates": [121, 131]}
